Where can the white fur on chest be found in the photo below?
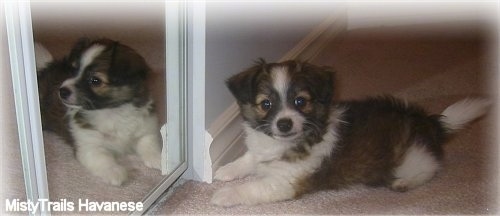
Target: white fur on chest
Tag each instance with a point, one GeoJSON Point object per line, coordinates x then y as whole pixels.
{"type": "Point", "coordinates": [268, 152]}
{"type": "Point", "coordinates": [117, 129]}
{"type": "Point", "coordinates": [263, 147]}
{"type": "Point", "coordinates": [278, 177]}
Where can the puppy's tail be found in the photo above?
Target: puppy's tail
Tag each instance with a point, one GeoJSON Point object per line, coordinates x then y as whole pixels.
{"type": "Point", "coordinates": [459, 114]}
{"type": "Point", "coordinates": [42, 57]}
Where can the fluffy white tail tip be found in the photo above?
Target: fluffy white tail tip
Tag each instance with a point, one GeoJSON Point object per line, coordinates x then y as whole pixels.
{"type": "Point", "coordinates": [457, 115]}
{"type": "Point", "coordinates": [42, 56]}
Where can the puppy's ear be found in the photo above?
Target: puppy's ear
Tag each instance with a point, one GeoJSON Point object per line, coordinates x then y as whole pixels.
{"type": "Point", "coordinates": [244, 84]}
{"type": "Point", "coordinates": [78, 48]}
{"type": "Point", "coordinates": [126, 65]}
{"type": "Point", "coordinates": [322, 78]}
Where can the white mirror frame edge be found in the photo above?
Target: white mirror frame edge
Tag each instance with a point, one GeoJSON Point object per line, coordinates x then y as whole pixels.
{"type": "Point", "coordinates": [22, 59]}
{"type": "Point", "coordinates": [176, 69]}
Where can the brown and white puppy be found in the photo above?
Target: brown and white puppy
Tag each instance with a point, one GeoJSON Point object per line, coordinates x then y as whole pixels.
{"type": "Point", "coordinates": [97, 99]}
{"type": "Point", "coordinates": [300, 141]}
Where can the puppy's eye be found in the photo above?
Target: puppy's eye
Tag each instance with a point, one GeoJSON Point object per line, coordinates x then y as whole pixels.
{"type": "Point", "coordinates": [95, 81]}
{"type": "Point", "coordinates": [266, 105]}
{"type": "Point", "coordinates": [300, 102]}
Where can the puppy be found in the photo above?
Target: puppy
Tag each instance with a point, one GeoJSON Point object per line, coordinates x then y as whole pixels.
{"type": "Point", "coordinates": [299, 141]}
{"type": "Point", "coordinates": [97, 99]}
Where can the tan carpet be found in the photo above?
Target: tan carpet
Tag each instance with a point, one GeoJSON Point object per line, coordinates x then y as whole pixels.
{"type": "Point", "coordinates": [434, 70]}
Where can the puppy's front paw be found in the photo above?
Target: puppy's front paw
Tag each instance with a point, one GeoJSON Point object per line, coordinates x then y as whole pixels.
{"type": "Point", "coordinates": [400, 185]}
{"type": "Point", "coordinates": [149, 149]}
{"type": "Point", "coordinates": [114, 175]}
{"type": "Point", "coordinates": [227, 197]}
{"type": "Point", "coordinates": [153, 161]}
{"type": "Point", "coordinates": [227, 173]}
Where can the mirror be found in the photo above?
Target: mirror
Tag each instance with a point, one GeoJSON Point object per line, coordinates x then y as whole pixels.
{"type": "Point", "coordinates": [52, 174]}
{"type": "Point", "coordinates": [57, 26]}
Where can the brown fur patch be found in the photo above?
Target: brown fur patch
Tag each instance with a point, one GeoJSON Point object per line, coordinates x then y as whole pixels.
{"type": "Point", "coordinates": [152, 108]}
{"type": "Point", "coordinates": [82, 121]}
{"type": "Point", "coordinates": [374, 138]}
{"type": "Point", "coordinates": [297, 153]}
{"type": "Point", "coordinates": [51, 108]}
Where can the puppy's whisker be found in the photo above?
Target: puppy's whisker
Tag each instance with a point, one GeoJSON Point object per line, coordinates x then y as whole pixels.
{"type": "Point", "coordinates": [89, 102]}
{"type": "Point", "coordinates": [263, 126]}
{"type": "Point", "coordinates": [312, 125]}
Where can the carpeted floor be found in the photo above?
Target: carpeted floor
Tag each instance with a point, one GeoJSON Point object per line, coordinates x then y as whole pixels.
{"type": "Point", "coordinates": [432, 69]}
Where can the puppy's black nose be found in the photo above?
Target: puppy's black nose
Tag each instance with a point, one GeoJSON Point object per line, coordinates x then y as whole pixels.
{"type": "Point", "coordinates": [64, 93]}
{"type": "Point", "coordinates": [285, 124]}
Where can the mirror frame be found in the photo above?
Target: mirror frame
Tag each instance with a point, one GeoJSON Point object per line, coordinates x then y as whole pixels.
{"type": "Point", "coordinates": [176, 69]}
{"type": "Point", "coordinates": [24, 82]}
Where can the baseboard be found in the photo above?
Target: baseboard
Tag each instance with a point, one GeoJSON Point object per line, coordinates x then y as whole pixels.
{"type": "Point", "coordinates": [225, 134]}
{"type": "Point", "coordinates": [226, 131]}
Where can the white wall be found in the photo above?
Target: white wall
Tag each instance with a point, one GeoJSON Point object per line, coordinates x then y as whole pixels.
{"type": "Point", "coordinates": [238, 33]}
{"type": "Point", "coordinates": [140, 25]}
{"type": "Point", "coordinates": [373, 14]}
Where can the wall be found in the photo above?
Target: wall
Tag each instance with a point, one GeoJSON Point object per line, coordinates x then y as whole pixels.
{"type": "Point", "coordinates": [373, 14]}
{"type": "Point", "coordinates": [239, 33]}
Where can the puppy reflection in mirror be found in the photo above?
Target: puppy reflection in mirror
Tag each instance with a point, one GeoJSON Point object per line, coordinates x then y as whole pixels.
{"type": "Point", "coordinates": [97, 100]}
